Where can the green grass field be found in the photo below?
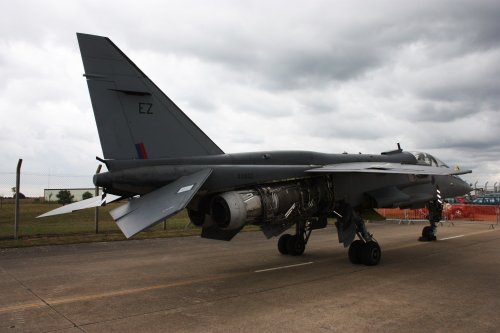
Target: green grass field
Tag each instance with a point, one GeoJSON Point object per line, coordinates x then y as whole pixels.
{"type": "Point", "coordinates": [77, 227]}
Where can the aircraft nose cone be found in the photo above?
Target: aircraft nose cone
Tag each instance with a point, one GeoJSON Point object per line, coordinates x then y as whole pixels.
{"type": "Point", "coordinates": [455, 187]}
{"type": "Point", "coordinates": [468, 188]}
{"type": "Point", "coordinates": [464, 187]}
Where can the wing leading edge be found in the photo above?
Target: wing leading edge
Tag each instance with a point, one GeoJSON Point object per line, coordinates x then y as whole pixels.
{"type": "Point", "coordinates": [395, 168]}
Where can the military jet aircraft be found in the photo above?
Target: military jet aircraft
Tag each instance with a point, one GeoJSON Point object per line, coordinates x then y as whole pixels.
{"type": "Point", "coordinates": [162, 162]}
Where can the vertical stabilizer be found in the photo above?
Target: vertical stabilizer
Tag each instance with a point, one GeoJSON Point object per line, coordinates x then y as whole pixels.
{"type": "Point", "coordinates": [135, 119]}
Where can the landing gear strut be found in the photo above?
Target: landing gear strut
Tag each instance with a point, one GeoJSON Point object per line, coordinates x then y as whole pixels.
{"type": "Point", "coordinates": [435, 208]}
{"type": "Point", "coordinates": [295, 245]}
{"type": "Point", "coordinates": [364, 250]}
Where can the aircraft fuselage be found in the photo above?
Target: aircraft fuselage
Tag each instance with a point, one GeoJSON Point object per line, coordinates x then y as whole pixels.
{"type": "Point", "coordinates": [244, 170]}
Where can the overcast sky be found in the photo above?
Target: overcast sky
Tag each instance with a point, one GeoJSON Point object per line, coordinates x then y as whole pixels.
{"type": "Point", "coordinates": [329, 76]}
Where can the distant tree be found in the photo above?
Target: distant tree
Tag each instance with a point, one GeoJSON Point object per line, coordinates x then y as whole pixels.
{"type": "Point", "coordinates": [64, 197]}
{"type": "Point", "coordinates": [87, 195]}
{"type": "Point", "coordinates": [21, 195]}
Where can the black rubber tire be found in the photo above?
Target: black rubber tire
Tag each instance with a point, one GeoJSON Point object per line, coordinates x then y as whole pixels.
{"type": "Point", "coordinates": [355, 252]}
{"type": "Point", "coordinates": [427, 232]}
{"type": "Point", "coordinates": [283, 243]}
{"type": "Point", "coordinates": [371, 253]}
{"type": "Point", "coordinates": [296, 245]}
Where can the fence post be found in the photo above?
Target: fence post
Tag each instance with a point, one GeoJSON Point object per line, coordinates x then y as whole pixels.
{"type": "Point", "coordinates": [18, 191]}
{"type": "Point", "coordinates": [96, 215]}
{"type": "Point", "coordinates": [498, 214]}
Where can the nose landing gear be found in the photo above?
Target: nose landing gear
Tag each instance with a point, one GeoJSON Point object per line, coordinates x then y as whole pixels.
{"type": "Point", "coordinates": [435, 208]}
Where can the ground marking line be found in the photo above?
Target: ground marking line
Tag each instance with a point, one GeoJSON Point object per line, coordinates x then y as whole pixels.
{"type": "Point", "coordinates": [91, 297]}
{"type": "Point", "coordinates": [22, 307]}
{"type": "Point", "coordinates": [283, 267]}
{"type": "Point", "coordinates": [452, 237]}
{"type": "Point", "coordinates": [123, 292]}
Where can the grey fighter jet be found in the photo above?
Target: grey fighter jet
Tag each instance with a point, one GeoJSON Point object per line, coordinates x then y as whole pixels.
{"type": "Point", "coordinates": [162, 162]}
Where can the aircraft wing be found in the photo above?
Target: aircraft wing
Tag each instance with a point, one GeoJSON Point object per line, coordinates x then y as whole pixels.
{"type": "Point", "coordinates": [140, 213]}
{"type": "Point", "coordinates": [381, 167]}
{"type": "Point", "coordinates": [87, 203]}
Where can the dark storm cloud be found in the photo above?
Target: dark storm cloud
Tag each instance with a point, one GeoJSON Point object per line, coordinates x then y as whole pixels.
{"type": "Point", "coordinates": [486, 146]}
{"type": "Point", "coordinates": [299, 57]}
{"type": "Point", "coordinates": [473, 93]}
{"type": "Point", "coordinates": [302, 69]}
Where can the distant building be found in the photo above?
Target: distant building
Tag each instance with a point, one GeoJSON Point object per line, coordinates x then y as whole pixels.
{"type": "Point", "coordinates": [50, 194]}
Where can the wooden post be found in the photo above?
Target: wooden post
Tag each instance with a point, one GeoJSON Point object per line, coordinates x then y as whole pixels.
{"type": "Point", "coordinates": [96, 215]}
{"type": "Point", "coordinates": [18, 192]}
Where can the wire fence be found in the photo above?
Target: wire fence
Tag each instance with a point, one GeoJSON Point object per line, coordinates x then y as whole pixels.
{"type": "Point", "coordinates": [40, 194]}
{"type": "Point", "coordinates": [34, 184]}
{"type": "Point", "coordinates": [487, 214]}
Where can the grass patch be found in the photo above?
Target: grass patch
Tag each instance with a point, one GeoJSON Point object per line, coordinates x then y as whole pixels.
{"type": "Point", "coordinates": [77, 227]}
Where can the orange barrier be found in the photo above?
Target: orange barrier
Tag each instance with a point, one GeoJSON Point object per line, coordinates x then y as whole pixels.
{"type": "Point", "coordinates": [460, 212]}
{"type": "Point", "coordinates": [473, 212]}
{"type": "Point", "coordinates": [404, 214]}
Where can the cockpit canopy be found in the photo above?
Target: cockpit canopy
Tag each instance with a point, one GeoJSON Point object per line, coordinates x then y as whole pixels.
{"type": "Point", "coordinates": [428, 159]}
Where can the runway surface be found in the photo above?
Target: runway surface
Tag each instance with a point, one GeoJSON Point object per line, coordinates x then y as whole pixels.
{"type": "Point", "coordinates": [197, 285]}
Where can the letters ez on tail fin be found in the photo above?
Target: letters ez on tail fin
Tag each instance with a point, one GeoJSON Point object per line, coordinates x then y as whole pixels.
{"type": "Point", "coordinates": [135, 119]}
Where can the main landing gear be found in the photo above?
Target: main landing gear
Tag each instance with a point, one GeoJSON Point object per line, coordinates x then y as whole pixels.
{"type": "Point", "coordinates": [364, 250]}
{"type": "Point", "coordinates": [366, 253]}
{"type": "Point", "coordinates": [295, 245]}
{"type": "Point", "coordinates": [435, 208]}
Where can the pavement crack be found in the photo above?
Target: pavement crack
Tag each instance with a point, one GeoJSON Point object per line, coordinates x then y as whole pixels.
{"type": "Point", "coordinates": [41, 299]}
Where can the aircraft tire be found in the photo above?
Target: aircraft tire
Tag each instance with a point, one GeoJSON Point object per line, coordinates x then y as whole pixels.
{"type": "Point", "coordinates": [428, 233]}
{"type": "Point", "coordinates": [371, 253]}
{"type": "Point", "coordinates": [355, 252]}
{"type": "Point", "coordinates": [296, 245]}
{"type": "Point", "coordinates": [283, 243]}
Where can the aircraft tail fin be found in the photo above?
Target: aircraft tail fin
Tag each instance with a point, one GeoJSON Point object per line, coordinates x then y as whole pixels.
{"type": "Point", "coordinates": [135, 119]}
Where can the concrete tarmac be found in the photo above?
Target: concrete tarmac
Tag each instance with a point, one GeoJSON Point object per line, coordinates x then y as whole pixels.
{"type": "Point", "coordinates": [197, 285]}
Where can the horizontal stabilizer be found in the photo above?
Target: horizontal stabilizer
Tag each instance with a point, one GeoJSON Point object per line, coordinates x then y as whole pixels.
{"type": "Point", "coordinates": [141, 213]}
{"type": "Point", "coordinates": [87, 203]}
{"type": "Point", "coordinates": [394, 168]}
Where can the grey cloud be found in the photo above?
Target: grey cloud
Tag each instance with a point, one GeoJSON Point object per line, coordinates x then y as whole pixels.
{"type": "Point", "coordinates": [483, 92]}
{"type": "Point", "coordinates": [443, 112]}
{"type": "Point", "coordinates": [340, 126]}
{"type": "Point", "coordinates": [295, 64]}
{"type": "Point", "coordinates": [485, 146]}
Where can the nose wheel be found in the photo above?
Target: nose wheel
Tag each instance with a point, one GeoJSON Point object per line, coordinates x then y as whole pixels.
{"type": "Point", "coordinates": [435, 208]}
